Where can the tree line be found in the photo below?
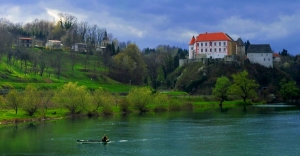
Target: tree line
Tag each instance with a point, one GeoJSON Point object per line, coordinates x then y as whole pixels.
{"type": "Point", "coordinates": [79, 100]}
{"type": "Point", "coordinates": [247, 88]}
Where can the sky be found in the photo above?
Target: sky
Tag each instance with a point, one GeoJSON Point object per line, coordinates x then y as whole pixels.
{"type": "Point", "coordinates": [150, 23]}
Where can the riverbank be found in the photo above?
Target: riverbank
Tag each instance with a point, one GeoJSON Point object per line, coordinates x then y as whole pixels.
{"type": "Point", "coordinates": [8, 116]}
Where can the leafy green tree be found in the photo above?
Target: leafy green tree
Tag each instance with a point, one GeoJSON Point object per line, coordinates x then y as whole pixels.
{"type": "Point", "coordinates": [31, 100]}
{"type": "Point", "coordinates": [13, 100]}
{"type": "Point", "coordinates": [221, 89]}
{"type": "Point", "coordinates": [140, 98]}
{"type": "Point", "coordinates": [99, 98]}
{"type": "Point", "coordinates": [71, 96]}
{"type": "Point", "coordinates": [129, 65]}
{"type": "Point", "coordinates": [288, 89]}
{"type": "Point", "coordinates": [46, 97]}
{"type": "Point", "coordinates": [243, 86]}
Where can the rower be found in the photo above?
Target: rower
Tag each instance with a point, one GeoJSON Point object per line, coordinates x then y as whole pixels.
{"type": "Point", "coordinates": [105, 138]}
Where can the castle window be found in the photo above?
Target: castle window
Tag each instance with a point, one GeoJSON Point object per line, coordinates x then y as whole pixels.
{"type": "Point", "coordinates": [192, 48]}
{"type": "Point", "coordinates": [264, 59]}
{"type": "Point", "coordinates": [197, 44]}
{"type": "Point", "coordinates": [201, 50]}
{"type": "Point", "coordinates": [215, 44]}
{"type": "Point", "coordinates": [219, 49]}
{"type": "Point", "coordinates": [205, 50]}
{"type": "Point", "coordinates": [261, 54]}
{"type": "Point", "coordinates": [219, 43]}
{"type": "Point", "coordinates": [224, 49]}
{"type": "Point", "coordinates": [210, 50]}
{"type": "Point", "coordinates": [224, 43]}
{"type": "Point", "coordinates": [201, 44]}
{"type": "Point", "coordinates": [210, 43]}
{"type": "Point", "coordinates": [205, 44]}
{"type": "Point", "coordinates": [215, 49]}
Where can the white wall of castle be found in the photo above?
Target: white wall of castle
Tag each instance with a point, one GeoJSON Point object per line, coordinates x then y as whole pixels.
{"type": "Point", "coordinates": [265, 59]}
{"type": "Point", "coordinates": [212, 49]}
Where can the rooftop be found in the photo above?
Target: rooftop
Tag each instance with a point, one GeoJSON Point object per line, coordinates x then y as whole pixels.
{"type": "Point", "coordinates": [259, 48]}
{"type": "Point", "coordinates": [216, 36]}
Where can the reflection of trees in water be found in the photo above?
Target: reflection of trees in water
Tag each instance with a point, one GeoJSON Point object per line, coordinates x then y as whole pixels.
{"type": "Point", "coordinates": [31, 126]}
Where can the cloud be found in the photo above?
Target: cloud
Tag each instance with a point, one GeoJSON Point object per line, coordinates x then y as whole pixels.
{"type": "Point", "coordinates": [283, 26]}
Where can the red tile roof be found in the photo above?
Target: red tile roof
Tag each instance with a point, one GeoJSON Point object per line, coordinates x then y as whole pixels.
{"type": "Point", "coordinates": [192, 41]}
{"type": "Point", "coordinates": [216, 36]}
{"type": "Point", "coordinates": [275, 55]}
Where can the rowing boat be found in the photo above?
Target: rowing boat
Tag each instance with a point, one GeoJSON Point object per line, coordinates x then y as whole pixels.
{"type": "Point", "coordinates": [92, 141]}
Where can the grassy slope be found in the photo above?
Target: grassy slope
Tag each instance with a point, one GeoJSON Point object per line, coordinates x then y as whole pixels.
{"type": "Point", "coordinates": [11, 76]}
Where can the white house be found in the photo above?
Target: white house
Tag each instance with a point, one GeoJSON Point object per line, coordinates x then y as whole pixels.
{"type": "Point", "coordinates": [261, 54]}
{"type": "Point", "coordinates": [211, 45]}
{"type": "Point", "coordinates": [54, 44]}
{"type": "Point", "coordinates": [81, 47]}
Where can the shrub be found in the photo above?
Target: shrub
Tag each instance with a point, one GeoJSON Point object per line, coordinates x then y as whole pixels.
{"type": "Point", "coordinates": [187, 106]}
{"type": "Point", "coordinates": [161, 101]}
{"type": "Point", "coordinates": [174, 105]}
{"type": "Point", "coordinates": [124, 105]}
{"type": "Point", "coordinates": [140, 98]}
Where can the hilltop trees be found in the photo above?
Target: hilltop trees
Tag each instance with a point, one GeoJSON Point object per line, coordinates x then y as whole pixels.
{"type": "Point", "coordinates": [128, 65]}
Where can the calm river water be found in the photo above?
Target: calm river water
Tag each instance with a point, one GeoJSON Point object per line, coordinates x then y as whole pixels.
{"type": "Point", "coordinates": [263, 132]}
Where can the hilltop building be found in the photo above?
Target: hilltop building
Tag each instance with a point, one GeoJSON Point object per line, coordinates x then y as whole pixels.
{"type": "Point", "coordinates": [261, 54]}
{"type": "Point", "coordinates": [211, 45]}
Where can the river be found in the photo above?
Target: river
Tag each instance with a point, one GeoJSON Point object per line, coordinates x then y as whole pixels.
{"type": "Point", "coordinates": [235, 132]}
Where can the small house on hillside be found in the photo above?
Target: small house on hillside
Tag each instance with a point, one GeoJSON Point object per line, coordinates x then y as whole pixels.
{"type": "Point", "coordinates": [24, 42]}
{"type": "Point", "coordinates": [80, 47]}
{"type": "Point", "coordinates": [54, 44]}
{"type": "Point", "coordinates": [261, 54]}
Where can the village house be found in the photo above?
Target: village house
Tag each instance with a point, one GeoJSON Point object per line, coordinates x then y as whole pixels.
{"type": "Point", "coordinates": [261, 54]}
{"type": "Point", "coordinates": [54, 44]}
{"type": "Point", "coordinates": [24, 42]}
{"type": "Point", "coordinates": [80, 47]}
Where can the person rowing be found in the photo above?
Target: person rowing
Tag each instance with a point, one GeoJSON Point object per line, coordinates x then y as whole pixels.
{"type": "Point", "coordinates": [105, 138]}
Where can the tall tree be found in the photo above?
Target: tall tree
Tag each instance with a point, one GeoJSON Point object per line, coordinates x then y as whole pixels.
{"type": "Point", "coordinates": [221, 89]}
{"type": "Point", "coordinates": [243, 85]}
{"type": "Point", "coordinates": [129, 65]}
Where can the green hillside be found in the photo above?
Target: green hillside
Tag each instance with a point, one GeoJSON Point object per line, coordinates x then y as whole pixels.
{"type": "Point", "coordinates": [86, 69]}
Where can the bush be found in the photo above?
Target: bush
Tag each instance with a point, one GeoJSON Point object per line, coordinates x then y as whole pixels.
{"type": "Point", "coordinates": [124, 105]}
{"type": "Point", "coordinates": [188, 106]}
{"type": "Point", "coordinates": [161, 101]}
{"type": "Point", "coordinates": [174, 106]}
{"type": "Point", "coordinates": [140, 98]}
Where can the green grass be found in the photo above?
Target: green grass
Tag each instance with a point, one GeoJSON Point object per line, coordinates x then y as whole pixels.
{"type": "Point", "coordinates": [93, 77]}
{"type": "Point", "coordinates": [10, 114]}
